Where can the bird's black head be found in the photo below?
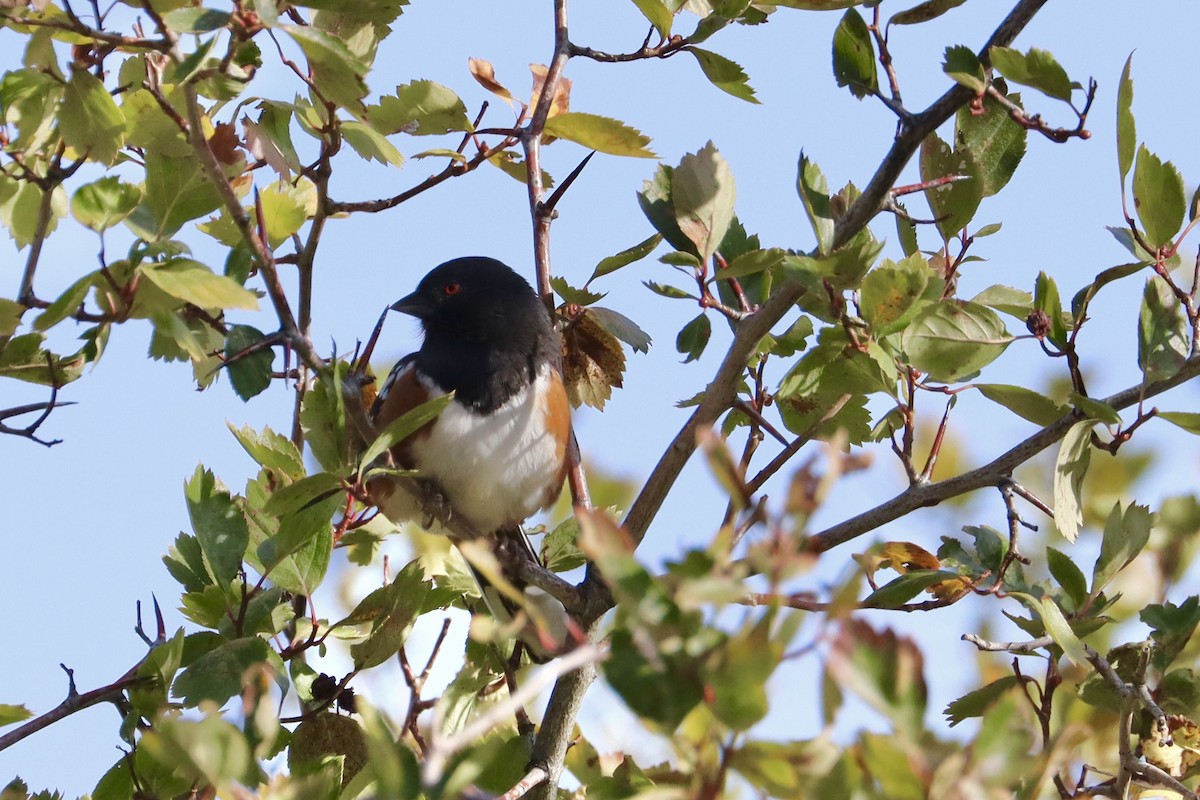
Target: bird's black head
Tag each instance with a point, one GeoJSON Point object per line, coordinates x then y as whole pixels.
{"type": "Point", "coordinates": [486, 330]}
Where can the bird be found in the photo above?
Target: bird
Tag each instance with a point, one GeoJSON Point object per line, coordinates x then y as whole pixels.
{"type": "Point", "coordinates": [498, 452]}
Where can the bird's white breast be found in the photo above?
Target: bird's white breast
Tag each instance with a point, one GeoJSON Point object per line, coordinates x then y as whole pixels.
{"type": "Point", "coordinates": [494, 468]}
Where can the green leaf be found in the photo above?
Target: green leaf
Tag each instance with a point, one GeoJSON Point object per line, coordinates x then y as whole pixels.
{"type": "Point", "coordinates": [785, 769]}
{"type": "Point", "coordinates": [217, 675]}
{"type": "Point", "coordinates": [89, 120]}
{"type": "Point", "coordinates": [371, 144]}
{"type": "Point", "coordinates": [1025, 403]}
{"type": "Point", "coordinates": [598, 133]}
{"type": "Point", "coordinates": [22, 212]}
{"type": "Point", "coordinates": [954, 339]}
{"type": "Point", "coordinates": [1171, 628]}
{"type": "Point", "coordinates": [725, 74]}
{"type": "Point", "coordinates": [1126, 533]}
{"type": "Point", "coordinates": [693, 338]}
{"type": "Point", "coordinates": [666, 290]}
{"type": "Point", "coordinates": [1158, 197]}
{"type": "Point", "coordinates": [953, 204]}
{"type": "Point", "coordinates": [296, 550]}
{"type": "Point", "coordinates": [11, 713]}
{"type": "Point", "coordinates": [337, 72]}
{"type": "Point", "coordinates": [250, 374]}
{"type": "Point", "coordinates": [192, 282]}
{"type": "Point", "coordinates": [104, 203]}
{"type": "Point", "coordinates": [560, 549]}
{"type": "Point", "coordinates": [419, 108]}
{"type": "Point", "coordinates": [1189, 421]}
{"type": "Point", "coordinates": [814, 194]}
{"type": "Point", "coordinates": [656, 203]}
{"type": "Point", "coordinates": [923, 12]}
{"type": "Point", "coordinates": [270, 450]}
{"type": "Point", "coordinates": [1068, 575]}
{"type": "Point", "coordinates": [570, 294]}
{"type": "Point", "coordinates": [391, 611]}
{"type": "Point", "coordinates": [976, 703]}
{"type": "Point", "coordinates": [1163, 333]}
{"type": "Point", "coordinates": [961, 64]}
{"type": "Point", "coordinates": [404, 426]}
{"type": "Point", "coordinates": [1095, 409]}
{"type": "Point", "coordinates": [10, 316]}
{"type": "Point", "coordinates": [1082, 298]}
{"type": "Point", "coordinates": [1071, 464]}
{"type": "Point", "coordinates": [285, 207]}
{"type": "Point", "coordinates": [1014, 302]}
{"type": "Point", "coordinates": [220, 528]}
{"type": "Point", "coordinates": [176, 191]}
{"type": "Point", "coordinates": [196, 20]}
{"type": "Point", "coordinates": [891, 294]}
{"type": "Point", "coordinates": [66, 304]}
{"type": "Point", "coordinates": [621, 327]}
{"type": "Point", "coordinates": [884, 669]}
{"type": "Point", "coordinates": [626, 257]}
{"type": "Point", "coordinates": [1036, 69]}
{"type": "Point", "coordinates": [1126, 129]}
{"type": "Point", "coordinates": [995, 141]}
{"type": "Point", "coordinates": [900, 590]}
{"type": "Point", "coordinates": [703, 193]}
{"type": "Point", "coordinates": [659, 15]}
{"type": "Point", "coordinates": [1057, 626]}
{"type": "Point", "coordinates": [854, 56]}
{"type": "Point", "coordinates": [323, 418]}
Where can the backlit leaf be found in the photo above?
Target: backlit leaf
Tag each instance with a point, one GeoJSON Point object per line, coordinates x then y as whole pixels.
{"type": "Point", "coordinates": [602, 134]}
{"type": "Point", "coordinates": [854, 56]}
{"type": "Point", "coordinates": [90, 120]}
{"type": "Point", "coordinates": [703, 192]}
{"type": "Point", "coordinates": [954, 339]}
{"type": "Point", "coordinates": [725, 74]}
{"type": "Point", "coordinates": [1126, 129]}
{"type": "Point", "coordinates": [1036, 69]}
{"type": "Point", "coordinates": [1158, 197]}
{"type": "Point", "coordinates": [192, 282]}
{"type": "Point", "coordinates": [1071, 464]}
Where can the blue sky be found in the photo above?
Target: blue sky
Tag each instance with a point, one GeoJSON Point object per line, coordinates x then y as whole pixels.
{"type": "Point", "coordinates": [89, 520]}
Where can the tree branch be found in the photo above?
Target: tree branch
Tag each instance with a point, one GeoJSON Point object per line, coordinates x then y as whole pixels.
{"type": "Point", "coordinates": [992, 473]}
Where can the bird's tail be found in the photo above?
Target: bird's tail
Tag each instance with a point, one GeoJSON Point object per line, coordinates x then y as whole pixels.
{"type": "Point", "coordinates": [539, 620]}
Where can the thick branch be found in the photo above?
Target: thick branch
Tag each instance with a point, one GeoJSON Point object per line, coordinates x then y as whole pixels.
{"type": "Point", "coordinates": [930, 494]}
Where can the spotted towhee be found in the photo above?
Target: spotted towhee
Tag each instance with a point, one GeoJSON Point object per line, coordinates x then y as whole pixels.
{"type": "Point", "coordinates": [498, 451]}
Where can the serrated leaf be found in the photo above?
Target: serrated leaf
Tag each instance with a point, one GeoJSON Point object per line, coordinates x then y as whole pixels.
{"type": "Point", "coordinates": [1025, 403]}
{"type": "Point", "coordinates": [1057, 626]}
{"type": "Point", "coordinates": [666, 290]}
{"type": "Point", "coordinates": [193, 19]}
{"type": "Point", "coordinates": [593, 361]}
{"type": "Point", "coordinates": [703, 193]}
{"type": "Point", "coordinates": [251, 373]}
{"type": "Point", "coordinates": [1068, 575]}
{"type": "Point", "coordinates": [890, 294]}
{"type": "Point", "coordinates": [854, 56]}
{"type": "Point", "coordinates": [1158, 197]}
{"type": "Point", "coordinates": [1095, 409]}
{"type": "Point", "coordinates": [953, 204]}
{"type": "Point", "coordinates": [560, 549]}
{"type": "Point", "coordinates": [66, 304]}
{"type": "Point", "coordinates": [996, 143]}
{"type": "Point", "coordinates": [1163, 332]}
{"type": "Point", "coordinates": [693, 338]}
{"type": "Point", "coordinates": [751, 263]}
{"type": "Point", "coordinates": [1036, 69]}
{"type": "Point", "coordinates": [270, 450]}
{"type": "Point", "coordinates": [217, 675]}
{"type": "Point", "coordinates": [192, 282]}
{"type": "Point", "coordinates": [923, 12]}
{"type": "Point", "coordinates": [176, 191]}
{"type": "Point", "coordinates": [219, 526]}
{"type": "Point", "coordinates": [420, 108]}
{"type": "Point", "coordinates": [976, 703]}
{"type": "Point", "coordinates": [90, 120]}
{"type": "Point", "coordinates": [603, 134]}
{"type": "Point", "coordinates": [954, 339]}
{"type": "Point", "coordinates": [814, 195]}
{"type": "Point", "coordinates": [622, 327]}
{"type": "Point", "coordinates": [1071, 464]}
{"type": "Point", "coordinates": [570, 294]}
{"type": "Point", "coordinates": [284, 210]}
{"type": "Point", "coordinates": [898, 591]}
{"type": "Point", "coordinates": [391, 611]}
{"type": "Point", "coordinates": [337, 72]}
{"type": "Point", "coordinates": [655, 202]}
{"type": "Point", "coordinates": [961, 64]}
{"type": "Point", "coordinates": [658, 14]}
{"type": "Point", "coordinates": [1126, 129]}
{"type": "Point", "coordinates": [13, 713]}
{"type": "Point", "coordinates": [402, 427]}
{"type": "Point", "coordinates": [726, 75]}
{"type": "Point", "coordinates": [371, 144]}
{"type": "Point", "coordinates": [104, 203]}
{"type": "Point", "coordinates": [1126, 532]}
{"type": "Point", "coordinates": [626, 257]}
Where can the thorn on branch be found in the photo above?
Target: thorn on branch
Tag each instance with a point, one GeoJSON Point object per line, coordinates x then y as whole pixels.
{"type": "Point", "coordinates": [546, 207]}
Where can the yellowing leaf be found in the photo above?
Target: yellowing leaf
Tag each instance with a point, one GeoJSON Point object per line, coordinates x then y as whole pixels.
{"type": "Point", "coordinates": [194, 283]}
{"type": "Point", "coordinates": [599, 133]}
{"type": "Point", "coordinates": [485, 75]}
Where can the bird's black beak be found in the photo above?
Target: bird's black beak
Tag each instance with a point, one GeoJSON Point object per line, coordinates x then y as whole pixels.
{"type": "Point", "coordinates": [414, 305]}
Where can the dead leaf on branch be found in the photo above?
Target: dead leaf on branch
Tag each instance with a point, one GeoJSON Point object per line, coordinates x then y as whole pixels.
{"type": "Point", "coordinates": [593, 360]}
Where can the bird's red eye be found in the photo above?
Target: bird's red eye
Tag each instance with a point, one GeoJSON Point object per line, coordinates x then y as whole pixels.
{"type": "Point", "coordinates": [451, 289]}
